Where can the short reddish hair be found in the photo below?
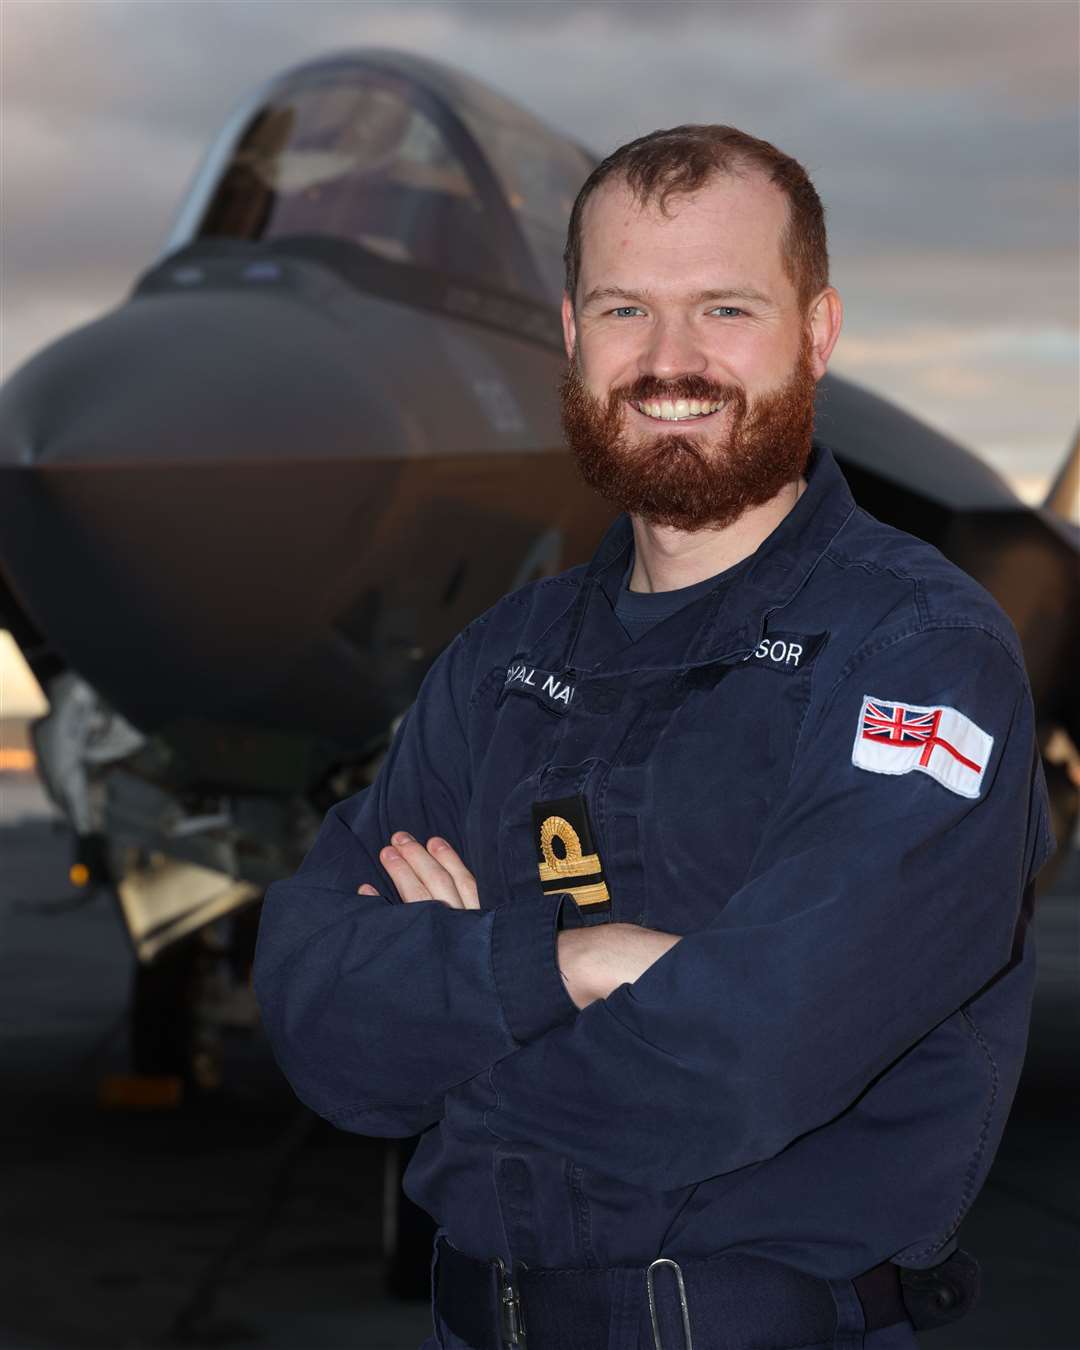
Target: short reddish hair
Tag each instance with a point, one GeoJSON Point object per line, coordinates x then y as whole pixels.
{"type": "Point", "coordinates": [671, 163]}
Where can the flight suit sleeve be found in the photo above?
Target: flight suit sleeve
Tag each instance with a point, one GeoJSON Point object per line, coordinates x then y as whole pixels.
{"type": "Point", "coordinates": [879, 902]}
{"type": "Point", "coordinates": [374, 1007]}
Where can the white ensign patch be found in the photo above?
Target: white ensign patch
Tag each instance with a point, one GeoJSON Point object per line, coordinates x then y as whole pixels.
{"type": "Point", "coordinates": [902, 738]}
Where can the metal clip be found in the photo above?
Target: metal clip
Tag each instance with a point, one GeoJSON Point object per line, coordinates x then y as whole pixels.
{"type": "Point", "coordinates": [512, 1324]}
{"type": "Point", "coordinates": [687, 1338]}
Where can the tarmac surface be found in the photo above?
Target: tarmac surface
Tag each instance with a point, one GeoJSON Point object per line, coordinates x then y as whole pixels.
{"type": "Point", "coordinates": [245, 1222]}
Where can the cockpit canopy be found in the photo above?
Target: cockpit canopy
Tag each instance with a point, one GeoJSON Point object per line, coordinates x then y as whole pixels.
{"type": "Point", "coordinates": [416, 164]}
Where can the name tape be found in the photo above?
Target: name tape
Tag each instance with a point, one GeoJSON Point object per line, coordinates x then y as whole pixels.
{"type": "Point", "coordinates": [786, 651]}
{"type": "Point", "coordinates": [543, 685]}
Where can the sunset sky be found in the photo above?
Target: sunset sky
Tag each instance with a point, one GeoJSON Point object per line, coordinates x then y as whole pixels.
{"type": "Point", "coordinates": [942, 137]}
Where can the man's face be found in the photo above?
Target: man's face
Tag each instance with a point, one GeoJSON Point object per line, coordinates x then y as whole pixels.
{"type": "Point", "coordinates": [689, 394]}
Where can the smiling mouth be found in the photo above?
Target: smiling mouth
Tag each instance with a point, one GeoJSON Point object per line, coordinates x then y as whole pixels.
{"type": "Point", "coordinates": [677, 410]}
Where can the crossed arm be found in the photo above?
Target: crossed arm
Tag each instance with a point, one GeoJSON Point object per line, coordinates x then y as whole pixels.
{"type": "Point", "coordinates": [894, 891]}
{"type": "Point", "coordinates": [593, 962]}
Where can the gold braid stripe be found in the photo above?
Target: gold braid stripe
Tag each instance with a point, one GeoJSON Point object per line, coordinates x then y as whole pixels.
{"type": "Point", "coordinates": [596, 894]}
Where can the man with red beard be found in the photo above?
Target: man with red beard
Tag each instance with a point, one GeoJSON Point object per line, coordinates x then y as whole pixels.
{"type": "Point", "coordinates": [686, 916]}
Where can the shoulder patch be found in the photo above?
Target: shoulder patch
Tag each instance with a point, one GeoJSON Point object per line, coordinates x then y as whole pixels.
{"type": "Point", "coordinates": [897, 738]}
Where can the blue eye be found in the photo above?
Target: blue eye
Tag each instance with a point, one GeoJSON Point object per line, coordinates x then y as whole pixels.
{"type": "Point", "coordinates": [728, 311]}
{"type": "Point", "coordinates": [624, 310]}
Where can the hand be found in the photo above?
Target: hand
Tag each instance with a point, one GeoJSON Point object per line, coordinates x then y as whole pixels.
{"type": "Point", "coordinates": [595, 961]}
{"type": "Point", "coordinates": [432, 873]}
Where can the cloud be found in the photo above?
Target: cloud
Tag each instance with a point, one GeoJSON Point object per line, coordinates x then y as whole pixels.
{"type": "Point", "coordinates": [1006, 389]}
{"type": "Point", "coordinates": [890, 287]}
{"type": "Point", "coordinates": [1022, 51]}
{"type": "Point", "coordinates": [942, 137]}
{"type": "Point", "coordinates": [931, 344]}
{"type": "Point", "coordinates": [104, 193]}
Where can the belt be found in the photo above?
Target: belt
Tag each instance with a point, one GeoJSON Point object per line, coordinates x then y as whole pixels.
{"type": "Point", "coordinates": [744, 1301]}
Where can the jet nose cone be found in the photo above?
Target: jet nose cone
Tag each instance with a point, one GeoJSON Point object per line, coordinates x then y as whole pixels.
{"type": "Point", "coordinates": [188, 485]}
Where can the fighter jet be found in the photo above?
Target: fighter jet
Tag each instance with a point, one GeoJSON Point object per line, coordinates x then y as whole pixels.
{"type": "Point", "coordinates": [241, 513]}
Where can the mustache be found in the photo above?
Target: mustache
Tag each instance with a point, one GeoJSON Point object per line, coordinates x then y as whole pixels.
{"type": "Point", "coordinates": [650, 387]}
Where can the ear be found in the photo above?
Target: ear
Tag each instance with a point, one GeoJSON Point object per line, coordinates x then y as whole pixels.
{"type": "Point", "coordinates": [826, 316]}
{"type": "Point", "coordinates": [569, 326]}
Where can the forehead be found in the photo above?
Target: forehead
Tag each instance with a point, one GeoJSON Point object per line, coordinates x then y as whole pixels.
{"type": "Point", "coordinates": [729, 230]}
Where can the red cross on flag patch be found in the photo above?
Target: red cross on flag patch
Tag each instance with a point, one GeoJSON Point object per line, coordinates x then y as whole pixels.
{"type": "Point", "coordinates": [901, 737]}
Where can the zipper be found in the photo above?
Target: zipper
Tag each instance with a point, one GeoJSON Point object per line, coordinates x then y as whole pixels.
{"type": "Point", "coordinates": [512, 1324]}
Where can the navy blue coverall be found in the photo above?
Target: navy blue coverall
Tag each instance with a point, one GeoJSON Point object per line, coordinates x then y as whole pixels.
{"type": "Point", "coordinates": [824, 774]}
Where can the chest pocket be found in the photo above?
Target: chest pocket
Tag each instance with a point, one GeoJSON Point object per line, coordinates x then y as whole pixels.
{"type": "Point", "coordinates": [514, 738]}
{"type": "Point", "coordinates": [710, 780]}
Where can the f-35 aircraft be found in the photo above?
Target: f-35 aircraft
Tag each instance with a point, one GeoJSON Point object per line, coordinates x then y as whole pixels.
{"type": "Point", "coordinates": [241, 513]}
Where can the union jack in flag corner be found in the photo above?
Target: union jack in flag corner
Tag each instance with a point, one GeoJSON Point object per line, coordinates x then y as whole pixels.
{"type": "Point", "coordinates": [895, 738]}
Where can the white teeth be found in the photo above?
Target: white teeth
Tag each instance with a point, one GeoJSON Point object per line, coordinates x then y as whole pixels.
{"type": "Point", "coordinates": [677, 411]}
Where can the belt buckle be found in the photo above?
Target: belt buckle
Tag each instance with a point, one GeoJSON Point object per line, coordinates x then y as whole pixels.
{"type": "Point", "coordinates": [683, 1306]}
{"type": "Point", "coordinates": [511, 1322]}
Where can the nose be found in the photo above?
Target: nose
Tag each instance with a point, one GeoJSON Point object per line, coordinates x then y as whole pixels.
{"type": "Point", "coordinates": [674, 349]}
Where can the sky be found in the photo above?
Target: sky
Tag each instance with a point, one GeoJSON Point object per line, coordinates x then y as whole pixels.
{"type": "Point", "coordinates": [942, 136]}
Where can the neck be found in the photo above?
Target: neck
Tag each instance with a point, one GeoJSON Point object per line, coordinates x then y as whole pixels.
{"type": "Point", "coordinates": [666, 559]}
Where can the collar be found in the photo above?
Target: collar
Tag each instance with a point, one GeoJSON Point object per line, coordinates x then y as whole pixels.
{"type": "Point", "coordinates": [729, 620]}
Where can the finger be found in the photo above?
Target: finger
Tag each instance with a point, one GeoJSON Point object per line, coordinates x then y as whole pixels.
{"type": "Point", "coordinates": [366, 889]}
{"type": "Point", "coordinates": [416, 875]}
{"type": "Point", "coordinates": [464, 880]}
{"type": "Point", "coordinates": [429, 872]}
{"type": "Point", "coordinates": [407, 884]}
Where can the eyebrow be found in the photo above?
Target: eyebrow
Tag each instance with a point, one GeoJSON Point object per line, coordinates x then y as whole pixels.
{"type": "Point", "coordinates": [726, 293]}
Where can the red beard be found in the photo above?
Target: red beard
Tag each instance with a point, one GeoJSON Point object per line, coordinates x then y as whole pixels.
{"type": "Point", "coordinates": [691, 482]}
